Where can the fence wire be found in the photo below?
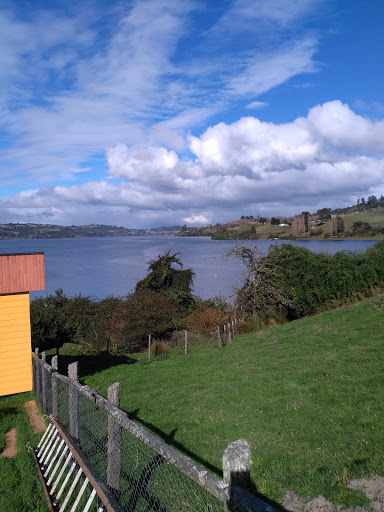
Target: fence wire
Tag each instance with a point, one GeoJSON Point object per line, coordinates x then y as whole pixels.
{"type": "Point", "coordinates": [146, 481]}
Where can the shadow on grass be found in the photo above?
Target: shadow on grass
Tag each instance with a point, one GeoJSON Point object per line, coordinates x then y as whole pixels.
{"type": "Point", "coordinates": [8, 411]}
{"type": "Point", "coordinates": [170, 439]}
{"type": "Point", "coordinates": [90, 364]}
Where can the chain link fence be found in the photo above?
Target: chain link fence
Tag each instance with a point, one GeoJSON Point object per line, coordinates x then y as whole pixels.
{"type": "Point", "coordinates": [142, 472]}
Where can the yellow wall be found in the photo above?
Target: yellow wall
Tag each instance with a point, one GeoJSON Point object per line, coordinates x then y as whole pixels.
{"type": "Point", "coordinates": [15, 344]}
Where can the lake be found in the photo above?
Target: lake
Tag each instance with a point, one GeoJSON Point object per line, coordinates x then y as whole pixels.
{"type": "Point", "coordinates": [99, 267]}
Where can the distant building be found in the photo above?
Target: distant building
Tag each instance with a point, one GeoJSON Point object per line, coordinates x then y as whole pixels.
{"type": "Point", "coordinates": [19, 274]}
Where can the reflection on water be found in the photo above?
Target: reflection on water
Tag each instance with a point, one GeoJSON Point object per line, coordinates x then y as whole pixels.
{"type": "Point", "coordinates": [98, 267]}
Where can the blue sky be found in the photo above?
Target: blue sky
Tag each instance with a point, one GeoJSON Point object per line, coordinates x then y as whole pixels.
{"type": "Point", "coordinates": [160, 112]}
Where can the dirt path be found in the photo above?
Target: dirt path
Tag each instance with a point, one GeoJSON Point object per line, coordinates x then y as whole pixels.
{"type": "Point", "coordinates": [372, 487]}
{"type": "Point", "coordinates": [35, 416]}
{"type": "Point", "coordinates": [10, 439]}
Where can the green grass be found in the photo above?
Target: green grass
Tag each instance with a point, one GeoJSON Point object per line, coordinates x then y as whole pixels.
{"type": "Point", "coordinates": [20, 487]}
{"type": "Point", "coordinates": [267, 231]}
{"type": "Point", "coordinates": [307, 396]}
{"type": "Point", "coordinates": [374, 218]}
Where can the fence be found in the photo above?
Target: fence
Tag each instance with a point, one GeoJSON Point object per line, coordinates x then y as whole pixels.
{"type": "Point", "coordinates": [142, 472]}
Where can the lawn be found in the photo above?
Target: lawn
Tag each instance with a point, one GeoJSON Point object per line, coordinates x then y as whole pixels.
{"type": "Point", "coordinates": [20, 487]}
{"type": "Point", "coordinates": [307, 396]}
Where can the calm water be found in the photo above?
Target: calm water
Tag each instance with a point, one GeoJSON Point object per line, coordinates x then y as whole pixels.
{"type": "Point", "coordinates": [98, 267]}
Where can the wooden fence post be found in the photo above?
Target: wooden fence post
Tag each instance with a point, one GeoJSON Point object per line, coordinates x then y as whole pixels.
{"type": "Point", "coordinates": [229, 333]}
{"type": "Point", "coordinates": [218, 336]}
{"type": "Point", "coordinates": [185, 342]}
{"type": "Point", "coordinates": [55, 402]}
{"type": "Point", "coordinates": [149, 348]}
{"type": "Point", "coordinates": [115, 448]}
{"type": "Point", "coordinates": [44, 382]}
{"type": "Point", "coordinates": [236, 468]}
{"type": "Point", "coordinates": [73, 401]}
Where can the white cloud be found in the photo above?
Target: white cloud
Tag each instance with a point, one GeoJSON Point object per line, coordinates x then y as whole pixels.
{"type": "Point", "coordinates": [198, 219]}
{"type": "Point", "coordinates": [339, 126]}
{"type": "Point", "coordinates": [274, 168]}
{"type": "Point", "coordinates": [262, 72]}
{"type": "Point", "coordinates": [257, 104]}
{"type": "Point", "coordinates": [80, 80]}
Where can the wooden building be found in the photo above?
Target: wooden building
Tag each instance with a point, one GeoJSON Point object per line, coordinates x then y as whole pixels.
{"type": "Point", "coordinates": [19, 274]}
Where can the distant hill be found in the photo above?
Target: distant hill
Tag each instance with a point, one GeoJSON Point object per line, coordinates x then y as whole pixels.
{"type": "Point", "coordinates": [339, 224]}
{"type": "Point", "coordinates": [15, 231]}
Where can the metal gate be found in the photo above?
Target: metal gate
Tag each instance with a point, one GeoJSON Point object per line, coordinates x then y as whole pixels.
{"type": "Point", "coordinates": [69, 482]}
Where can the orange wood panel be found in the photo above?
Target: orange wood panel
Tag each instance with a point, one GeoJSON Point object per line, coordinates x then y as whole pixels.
{"type": "Point", "coordinates": [21, 273]}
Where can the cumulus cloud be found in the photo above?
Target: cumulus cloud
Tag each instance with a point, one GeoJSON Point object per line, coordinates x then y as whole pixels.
{"type": "Point", "coordinates": [105, 114]}
{"type": "Point", "coordinates": [273, 168]}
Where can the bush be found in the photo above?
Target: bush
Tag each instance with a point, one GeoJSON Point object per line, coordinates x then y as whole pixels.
{"type": "Point", "coordinates": [316, 232]}
{"type": "Point", "coordinates": [291, 282]}
{"type": "Point", "coordinates": [143, 313]}
{"type": "Point", "coordinates": [205, 321]}
{"type": "Point", "coordinates": [159, 350]}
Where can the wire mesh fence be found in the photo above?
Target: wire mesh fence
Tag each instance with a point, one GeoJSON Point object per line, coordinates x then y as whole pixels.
{"type": "Point", "coordinates": [142, 472]}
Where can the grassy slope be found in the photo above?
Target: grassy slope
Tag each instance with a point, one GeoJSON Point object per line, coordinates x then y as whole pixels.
{"type": "Point", "coordinates": [20, 487]}
{"type": "Point", "coordinates": [374, 218]}
{"type": "Point", "coordinates": [307, 396]}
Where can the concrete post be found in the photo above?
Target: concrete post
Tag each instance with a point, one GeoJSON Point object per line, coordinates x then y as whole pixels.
{"type": "Point", "coordinates": [115, 445]}
{"type": "Point", "coordinates": [73, 401]}
{"type": "Point", "coordinates": [236, 469]}
{"type": "Point", "coordinates": [36, 370]}
{"type": "Point", "coordinates": [44, 383]}
{"type": "Point", "coordinates": [55, 401]}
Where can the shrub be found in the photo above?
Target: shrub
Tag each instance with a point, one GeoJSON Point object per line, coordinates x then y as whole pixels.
{"type": "Point", "coordinates": [205, 321]}
{"type": "Point", "coordinates": [291, 282]}
{"type": "Point", "coordinates": [159, 350]}
{"type": "Point", "coordinates": [142, 314]}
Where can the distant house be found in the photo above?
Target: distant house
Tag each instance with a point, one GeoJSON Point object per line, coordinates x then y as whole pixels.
{"type": "Point", "coordinates": [19, 274]}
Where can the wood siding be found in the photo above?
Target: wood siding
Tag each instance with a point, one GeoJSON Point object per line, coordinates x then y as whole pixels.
{"type": "Point", "coordinates": [21, 273]}
{"type": "Point", "coordinates": [15, 344]}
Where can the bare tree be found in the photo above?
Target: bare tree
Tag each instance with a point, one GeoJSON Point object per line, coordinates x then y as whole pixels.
{"type": "Point", "coordinates": [298, 225]}
{"type": "Point", "coordinates": [333, 226]}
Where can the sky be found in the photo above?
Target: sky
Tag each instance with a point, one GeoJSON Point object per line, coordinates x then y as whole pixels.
{"type": "Point", "coordinates": [152, 113]}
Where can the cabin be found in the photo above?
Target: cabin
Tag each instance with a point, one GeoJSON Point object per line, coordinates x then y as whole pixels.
{"type": "Point", "coordinates": [19, 274]}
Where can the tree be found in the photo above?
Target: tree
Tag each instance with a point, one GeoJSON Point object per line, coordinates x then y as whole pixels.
{"type": "Point", "coordinates": [333, 227]}
{"type": "Point", "coordinates": [275, 221]}
{"type": "Point", "coordinates": [372, 202]}
{"type": "Point", "coordinates": [340, 224]}
{"type": "Point", "coordinates": [143, 313]}
{"type": "Point", "coordinates": [324, 214]}
{"type": "Point", "coordinates": [261, 294]}
{"type": "Point", "coordinates": [298, 226]}
{"type": "Point", "coordinates": [307, 220]}
{"type": "Point", "coordinates": [48, 321]}
{"type": "Point", "coordinates": [164, 279]}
